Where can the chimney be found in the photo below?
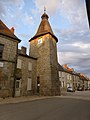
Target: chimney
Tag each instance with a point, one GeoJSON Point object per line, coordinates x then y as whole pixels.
{"type": "Point", "coordinates": [65, 66]}
{"type": "Point", "coordinates": [23, 50]}
{"type": "Point", "coordinates": [12, 29]}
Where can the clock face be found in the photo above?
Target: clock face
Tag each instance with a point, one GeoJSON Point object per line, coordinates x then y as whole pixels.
{"type": "Point", "coordinates": [40, 41]}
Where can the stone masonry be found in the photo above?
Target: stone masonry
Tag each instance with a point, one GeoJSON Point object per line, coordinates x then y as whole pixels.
{"type": "Point", "coordinates": [7, 71]}
{"type": "Point", "coordinates": [46, 53]}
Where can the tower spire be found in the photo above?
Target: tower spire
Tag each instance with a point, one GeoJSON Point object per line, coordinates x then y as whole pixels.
{"type": "Point", "coordinates": [44, 27]}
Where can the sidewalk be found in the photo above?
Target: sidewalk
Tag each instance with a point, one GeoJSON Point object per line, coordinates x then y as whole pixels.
{"type": "Point", "coordinates": [21, 99]}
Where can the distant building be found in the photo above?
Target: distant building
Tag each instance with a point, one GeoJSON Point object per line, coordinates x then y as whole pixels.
{"type": "Point", "coordinates": [69, 78]}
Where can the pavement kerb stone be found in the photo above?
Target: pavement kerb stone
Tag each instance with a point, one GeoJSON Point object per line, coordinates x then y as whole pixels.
{"type": "Point", "coordinates": [22, 99]}
{"type": "Point", "coordinates": [74, 97]}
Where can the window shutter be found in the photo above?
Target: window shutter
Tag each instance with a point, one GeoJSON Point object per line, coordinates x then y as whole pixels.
{"type": "Point", "coordinates": [30, 66]}
{"type": "Point", "coordinates": [19, 63]}
{"type": "Point", "coordinates": [29, 84]}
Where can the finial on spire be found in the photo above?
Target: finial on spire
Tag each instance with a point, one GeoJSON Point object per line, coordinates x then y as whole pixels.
{"type": "Point", "coordinates": [44, 9]}
{"type": "Point", "coordinates": [44, 16]}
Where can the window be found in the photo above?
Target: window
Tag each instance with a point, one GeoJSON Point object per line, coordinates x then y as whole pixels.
{"type": "Point", "coordinates": [60, 74]}
{"type": "Point", "coordinates": [70, 77]}
{"type": "Point", "coordinates": [19, 63]}
{"type": "Point", "coordinates": [62, 84]}
{"type": "Point", "coordinates": [30, 66]}
{"type": "Point", "coordinates": [40, 41]}
{"type": "Point", "coordinates": [1, 50]}
{"type": "Point", "coordinates": [38, 84]}
{"type": "Point", "coordinates": [29, 84]}
{"type": "Point", "coordinates": [1, 64]}
{"type": "Point", "coordinates": [17, 84]}
{"type": "Point", "coordinates": [63, 74]}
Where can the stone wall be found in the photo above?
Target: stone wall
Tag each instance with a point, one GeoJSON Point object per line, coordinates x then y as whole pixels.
{"type": "Point", "coordinates": [7, 71]}
{"type": "Point", "coordinates": [46, 64]}
{"type": "Point", "coordinates": [25, 74]}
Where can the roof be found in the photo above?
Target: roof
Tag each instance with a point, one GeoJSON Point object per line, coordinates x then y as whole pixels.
{"type": "Point", "coordinates": [27, 56]}
{"type": "Point", "coordinates": [5, 31]}
{"type": "Point", "coordinates": [44, 28]}
{"type": "Point", "coordinates": [61, 68]}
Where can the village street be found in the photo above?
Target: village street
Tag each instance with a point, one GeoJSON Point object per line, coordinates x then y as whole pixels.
{"type": "Point", "coordinates": [77, 94]}
{"type": "Point", "coordinates": [72, 106]}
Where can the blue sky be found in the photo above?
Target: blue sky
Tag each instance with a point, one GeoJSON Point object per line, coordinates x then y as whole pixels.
{"type": "Point", "coordinates": [68, 20]}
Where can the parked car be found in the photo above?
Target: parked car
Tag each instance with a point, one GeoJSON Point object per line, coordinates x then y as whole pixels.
{"type": "Point", "coordinates": [70, 89]}
{"type": "Point", "coordinates": [80, 88]}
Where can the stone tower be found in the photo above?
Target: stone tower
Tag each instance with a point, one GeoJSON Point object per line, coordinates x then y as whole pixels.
{"type": "Point", "coordinates": [43, 47]}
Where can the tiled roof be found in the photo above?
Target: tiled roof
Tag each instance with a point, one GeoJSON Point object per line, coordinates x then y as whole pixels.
{"type": "Point", "coordinates": [44, 28]}
{"type": "Point", "coordinates": [5, 31]}
{"type": "Point", "coordinates": [61, 68]}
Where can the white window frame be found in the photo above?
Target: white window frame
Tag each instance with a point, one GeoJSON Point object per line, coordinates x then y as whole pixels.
{"type": "Point", "coordinates": [70, 77]}
{"type": "Point", "coordinates": [30, 66]}
{"type": "Point", "coordinates": [60, 74]}
{"type": "Point", "coordinates": [63, 74]}
{"type": "Point", "coordinates": [40, 41]}
{"type": "Point", "coordinates": [19, 61]}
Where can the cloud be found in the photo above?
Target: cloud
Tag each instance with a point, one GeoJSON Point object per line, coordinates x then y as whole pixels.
{"type": "Point", "coordinates": [10, 6]}
{"type": "Point", "coordinates": [28, 19]}
{"type": "Point", "coordinates": [74, 49]}
{"type": "Point", "coordinates": [18, 3]}
{"type": "Point", "coordinates": [51, 6]}
{"type": "Point", "coordinates": [79, 61]}
{"type": "Point", "coordinates": [14, 12]}
{"type": "Point", "coordinates": [75, 12]}
{"type": "Point", "coordinates": [2, 9]}
{"type": "Point", "coordinates": [72, 10]}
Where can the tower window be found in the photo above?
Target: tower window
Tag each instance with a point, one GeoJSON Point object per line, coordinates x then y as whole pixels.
{"type": "Point", "coordinates": [1, 50]}
{"type": "Point", "coordinates": [40, 41]}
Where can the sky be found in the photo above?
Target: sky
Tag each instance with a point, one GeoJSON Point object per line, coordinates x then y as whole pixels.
{"type": "Point", "coordinates": [68, 19]}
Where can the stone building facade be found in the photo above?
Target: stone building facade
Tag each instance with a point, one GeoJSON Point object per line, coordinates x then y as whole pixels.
{"type": "Point", "coordinates": [25, 74]}
{"type": "Point", "coordinates": [36, 73]}
{"type": "Point", "coordinates": [69, 78]}
{"type": "Point", "coordinates": [8, 57]}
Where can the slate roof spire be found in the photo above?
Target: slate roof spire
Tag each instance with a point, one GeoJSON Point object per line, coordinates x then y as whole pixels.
{"type": "Point", "coordinates": [44, 27]}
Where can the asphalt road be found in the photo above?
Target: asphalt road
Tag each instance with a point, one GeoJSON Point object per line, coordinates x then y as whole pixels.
{"type": "Point", "coordinates": [47, 109]}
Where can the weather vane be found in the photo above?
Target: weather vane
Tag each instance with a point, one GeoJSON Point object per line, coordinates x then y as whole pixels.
{"type": "Point", "coordinates": [44, 9]}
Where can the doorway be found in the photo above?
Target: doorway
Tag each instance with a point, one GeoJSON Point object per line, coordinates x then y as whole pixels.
{"type": "Point", "coordinates": [38, 84]}
{"type": "Point", "coordinates": [17, 87]}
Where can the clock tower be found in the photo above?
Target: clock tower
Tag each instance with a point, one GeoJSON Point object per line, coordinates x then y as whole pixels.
{"type": "Point", "coordinates": [43, 47]}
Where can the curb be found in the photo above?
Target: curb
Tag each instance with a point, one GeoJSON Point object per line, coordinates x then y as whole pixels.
{"type": "Point", "coordinates": [22, 99]}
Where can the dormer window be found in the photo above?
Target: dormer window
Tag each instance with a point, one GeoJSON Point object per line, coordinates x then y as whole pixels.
{"type": "Point", "coordinates": [1, 50]}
